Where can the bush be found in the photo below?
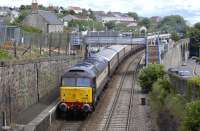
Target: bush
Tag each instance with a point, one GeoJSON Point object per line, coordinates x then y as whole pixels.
{"type": "Point", "coordinates": [175, 36]}
{"type": "Point", "coordinates": [175, 103]}
{"type": "Point", "coordinates": [31, 29]}
{"type": "Point", "coordinates": [160, 90]}
{"type": "Point", "coordinates": [192, 118]}
{"type": "Point", "coordinates": [149, 75]}
{"type": "Point", "coordinates": [4, 54]}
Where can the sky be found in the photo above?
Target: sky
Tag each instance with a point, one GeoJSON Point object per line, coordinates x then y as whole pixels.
{"type": "Point", "coordinates": [189, 9]}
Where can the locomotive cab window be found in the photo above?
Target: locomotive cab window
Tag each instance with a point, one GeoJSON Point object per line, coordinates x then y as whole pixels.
{"type": "Point", "coordinates": [85, 82]}
{"type": "Point", "coordinates": [81, 82]}
{"type": "Point", "coordinates": [69, 82]}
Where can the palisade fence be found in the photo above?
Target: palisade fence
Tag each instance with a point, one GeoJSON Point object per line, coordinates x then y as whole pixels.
{"type": "Point", "coordinates": [37, 62]}
{"type": "Point", "coordinates": [23, 45]}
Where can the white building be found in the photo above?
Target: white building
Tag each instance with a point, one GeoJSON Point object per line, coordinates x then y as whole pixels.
{"type": "Point", "coordinates": [114, 16]}
{"type": "Point", "coordinates": [75, 9]}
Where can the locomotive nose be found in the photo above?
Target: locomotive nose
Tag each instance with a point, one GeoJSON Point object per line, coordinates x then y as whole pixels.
{"type": "Point", "coordinates": [63, 107]}
{"type": "Point", "coordinates": [87, 108]}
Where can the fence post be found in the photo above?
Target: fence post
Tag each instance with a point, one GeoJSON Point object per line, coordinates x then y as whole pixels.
{"type": "Point", "coordinates": [59, 43]}
{"type": "Point", "coordinates": [50, 41]}
{"type": "Point", "coordinates": [39, 43]}
{"type": "Point", "coordinates": [67, 43]}
{"type": "Point", "coordinates": [4, 126]}
{"type": "Point", "coordinates": [15, 48]}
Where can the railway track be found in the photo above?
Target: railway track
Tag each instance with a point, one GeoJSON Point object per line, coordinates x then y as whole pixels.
{"type": "Point", "coordinates": [119, 117]}
{"type": "Point", "coordinates": [124, 78]}
{"type": "Point", "coordinates": [118, 111]}
{"type": "Point", "coordinates": [71, 125]}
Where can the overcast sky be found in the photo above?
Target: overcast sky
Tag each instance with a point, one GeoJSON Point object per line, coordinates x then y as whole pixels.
{"type": "Point", "coordinates": [190, 9]}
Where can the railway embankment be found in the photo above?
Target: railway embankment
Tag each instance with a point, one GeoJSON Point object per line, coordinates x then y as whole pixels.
{"type": "Point", "coordinates": [174, 100]}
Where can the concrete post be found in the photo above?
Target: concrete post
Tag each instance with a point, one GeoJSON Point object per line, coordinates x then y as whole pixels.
{"type": "Point", "coordinates": [147, 51]}
{"type": "Point", "coordinates": [4, 126]}
{"type": "Point", "coordinates": [158, 45]}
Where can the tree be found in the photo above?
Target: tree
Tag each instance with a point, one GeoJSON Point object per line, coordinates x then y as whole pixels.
{"type": "Point", "coordinates": [86, 25]}
{"type": "Point", "coordinates": [175, 37]}
{"type": "Point", "coordinates": [91, 14]}
{"type": "Point", "coordinates": [71, 12]}
{"type": "Point", "coordinates": [173, 23]}
{"type": "Point", "coordinates": [22, 7]}
{"type": "Point", "coordinates": [192, 119]}
{"type": "Point", "coordinates": [149, 75]}
{"type": "Point", "coordinates": [110, 25]}
{"type": "Point", "coordinates": [197, 26]}
{"type": "Point", "coordinates": [145, 22]}
{"type": "Point", "coordinates": [134, 15]}
{"type": "Point", "coordinates": [21, 17]}
{"type": "Point", "coordinates": [194, 45]}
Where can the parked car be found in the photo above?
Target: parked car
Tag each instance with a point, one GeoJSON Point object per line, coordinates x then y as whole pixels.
{"type": "Point", "coordinates": [184, 64]}
{"type": "Point", "coordinates": [185, 73]}
{"type": "Point", "coordinates": [173, 70]}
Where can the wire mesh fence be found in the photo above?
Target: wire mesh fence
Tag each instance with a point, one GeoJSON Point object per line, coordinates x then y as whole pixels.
{"type": "Point", "coordinates": [25, 45]}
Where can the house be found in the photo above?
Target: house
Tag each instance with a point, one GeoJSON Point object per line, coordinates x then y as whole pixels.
{"type": "Point", "coordinates": [75, 9]}
{"type": "Point", "coordinates": [4, 11]}
{"type": "Point", "coordinates": [60, 9]}
{"type": "Point", "coordinates": [69, 18]}
{"type": "Point", "coordinates": [114, 16]}
{"type": "Point", "coordinates": [47, 21]}
{"type": "Point", "coordinates": [133, 24]}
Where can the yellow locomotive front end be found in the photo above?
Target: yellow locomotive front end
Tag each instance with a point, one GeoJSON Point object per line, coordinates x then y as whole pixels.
{"type": "Point", "coordinates": [76, 94]}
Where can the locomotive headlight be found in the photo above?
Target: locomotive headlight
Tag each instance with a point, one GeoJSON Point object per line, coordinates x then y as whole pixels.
{"type": "Point", "coordinates": [86, 108]}
{"type": "Point", "coordinates": [63, 107]}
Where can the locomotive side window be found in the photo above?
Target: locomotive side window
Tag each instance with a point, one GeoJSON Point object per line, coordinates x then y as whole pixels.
{"type": "Point", "coordinates": [85, 82]}
{"type": "Point", "coordinates": [69, 82]}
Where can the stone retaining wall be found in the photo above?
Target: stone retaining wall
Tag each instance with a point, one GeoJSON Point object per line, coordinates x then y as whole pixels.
{"type": "Point", "coordinates": [182, 86]}
{"type": "Point", "coordinates": [23, 83]}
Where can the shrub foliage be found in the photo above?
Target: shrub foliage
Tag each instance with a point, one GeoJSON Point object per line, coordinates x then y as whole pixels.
{"type": "Point", "coordinates": [149, 75]}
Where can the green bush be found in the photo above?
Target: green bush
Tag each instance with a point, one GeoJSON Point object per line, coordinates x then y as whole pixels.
{"type": "Point", "coordinates": [175, 103]}
{"type": "Point", "coordinates": [4, 54]}
{"type": "Point", "coordinates": [192, 118]}
{"type": "Point", "coordinates": [194, 82]}
{"type": "Point", "coordinates": [31, 29]}
{"type": "Point", "coordinates": [175, 37]}
{"type": "Point", "coordinates": [160, 90]}
{"type": "Point", "coordinates": [149, 75]}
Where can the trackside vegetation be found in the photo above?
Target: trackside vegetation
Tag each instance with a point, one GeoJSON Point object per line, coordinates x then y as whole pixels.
{"type": "Point", "coordinates": [149, 75]}
{"type": "Point", "coordinates": [4, 55]}
{"type": "Point", "coordinates": [173, 111]}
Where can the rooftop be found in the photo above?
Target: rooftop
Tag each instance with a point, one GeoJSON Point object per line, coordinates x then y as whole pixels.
{"type": "Point", "coordinates": [50, 17]}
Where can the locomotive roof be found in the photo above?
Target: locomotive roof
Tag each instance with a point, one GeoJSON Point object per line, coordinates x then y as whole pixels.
{"type": "Point", "coordinates": [94, 65]}
{"type": "Point", "coordinates": [90, 67]}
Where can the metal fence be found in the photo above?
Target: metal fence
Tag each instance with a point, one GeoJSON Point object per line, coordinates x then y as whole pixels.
{"type": "Point", "coordinates": [24, 45]}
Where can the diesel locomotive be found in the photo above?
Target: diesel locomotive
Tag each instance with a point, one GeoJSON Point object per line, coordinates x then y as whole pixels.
{"type": "Point", "coordinates": [82, 84]}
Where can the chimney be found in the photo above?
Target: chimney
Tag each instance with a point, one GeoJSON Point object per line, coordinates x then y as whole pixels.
{"type": "Point", "coordinates": [51, 8]}
{"type": "Point", "coordinates": [34, 6]}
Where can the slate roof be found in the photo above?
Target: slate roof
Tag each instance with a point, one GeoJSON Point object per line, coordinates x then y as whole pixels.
{"type": "Point", "coordinates": [50, 17]}
{"type": "Point", "coordinates": [70, 17]}
{"type": "Point", "coordinates": [2, 21]}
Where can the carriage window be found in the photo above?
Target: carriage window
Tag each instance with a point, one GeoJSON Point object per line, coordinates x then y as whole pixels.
{"type": "Point", "coordinates": [83, 82]}
{"type": "Point", "coordinates": [68, 82]}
